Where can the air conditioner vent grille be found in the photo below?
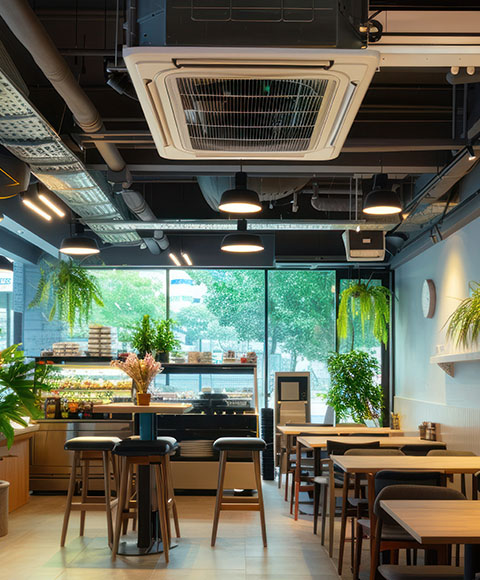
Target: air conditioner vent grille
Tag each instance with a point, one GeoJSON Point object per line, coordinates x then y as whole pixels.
{"type": "Point", "coordinates": [251, 115]}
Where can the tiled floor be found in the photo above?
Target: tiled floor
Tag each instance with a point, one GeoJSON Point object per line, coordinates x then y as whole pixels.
{"type": "Point", "coordinates": [31, 549]}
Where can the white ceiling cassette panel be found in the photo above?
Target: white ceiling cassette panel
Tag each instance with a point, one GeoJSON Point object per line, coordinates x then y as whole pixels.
{"type": "Point", "coordinates": [292, 104]}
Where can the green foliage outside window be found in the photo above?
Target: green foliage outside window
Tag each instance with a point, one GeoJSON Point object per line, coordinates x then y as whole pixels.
{"type": "Point", "coordinates": [353, 392]}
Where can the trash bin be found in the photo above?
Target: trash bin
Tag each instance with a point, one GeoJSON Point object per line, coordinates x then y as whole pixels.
{"type": "Point", "coordinates": [4, 485]}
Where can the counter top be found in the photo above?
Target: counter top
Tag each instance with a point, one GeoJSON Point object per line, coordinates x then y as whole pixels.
{"type": "Point", "coordinates": [19, 432]}
{"type": "Point", "coordinates": [162, 408]}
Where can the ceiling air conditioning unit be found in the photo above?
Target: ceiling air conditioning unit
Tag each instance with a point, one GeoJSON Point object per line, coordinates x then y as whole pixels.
{"type": "Point", "coordinates": [364, 246]}
{"type": "Point", "coordinates": [277, 104]}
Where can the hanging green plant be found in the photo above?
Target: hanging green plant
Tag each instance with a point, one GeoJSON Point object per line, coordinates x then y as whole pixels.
{"type": "Point", "coordinates": [69, 290]}
{"type": "Point", "coordinates": [371, 303]}
{"type": "Point", "coordinates": [464, 323]}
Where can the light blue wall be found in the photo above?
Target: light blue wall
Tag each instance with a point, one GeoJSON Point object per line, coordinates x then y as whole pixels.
{"type": "Point", "coordinates": [451, 264]}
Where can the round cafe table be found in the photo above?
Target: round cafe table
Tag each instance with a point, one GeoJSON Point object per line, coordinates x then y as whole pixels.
{"type": "Point", "coordinates": [149, 540]}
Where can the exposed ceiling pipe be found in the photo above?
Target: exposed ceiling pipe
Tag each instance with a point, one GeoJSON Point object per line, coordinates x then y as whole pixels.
{"type": "Point", "coordinates": [25, 25]}
{"type": "Point", "coordinates": [137, 204]}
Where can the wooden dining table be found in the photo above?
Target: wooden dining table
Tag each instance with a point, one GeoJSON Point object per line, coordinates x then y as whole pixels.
{"type": "Point", "coordinates": [291, 431]}
{"type": "Point", "coordinates": [318, 444]}
{"type": "Point", "coordinates": [369, 465]}
{"type": "Point", "coordinates": [442, 522]}
{"type": "Point", "coordinates": [148, 535]}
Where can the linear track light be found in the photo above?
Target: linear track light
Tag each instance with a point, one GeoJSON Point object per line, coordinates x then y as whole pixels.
{"type": "Point", "coordinates": [49, 203]}
{"type": "Point", "coordinates": [39, 211]}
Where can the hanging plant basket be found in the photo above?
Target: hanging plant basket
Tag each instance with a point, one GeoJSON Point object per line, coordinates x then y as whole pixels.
{"type": "Point", "coordinates": [369, 302]}
{"type": "Point", "coordinates": [69, 290]}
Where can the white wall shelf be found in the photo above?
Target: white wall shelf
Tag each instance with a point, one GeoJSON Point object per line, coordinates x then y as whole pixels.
{"type": "Point", "coordinates": [447, 361]}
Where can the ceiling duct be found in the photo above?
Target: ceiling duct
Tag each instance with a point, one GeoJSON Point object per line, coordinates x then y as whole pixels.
{"type": "Point", "coordinates": [28, 136]}
{"type": "Point", "coordinates": [137, 204]}
{"type": "Point", "coordinates": [268, 188]}
{"type": "Point", "coordinates": [250, 103]}
{"type": "Point", "coordinates": [24, 24]}
{"type": "Point", "coordinates": [51, 161]}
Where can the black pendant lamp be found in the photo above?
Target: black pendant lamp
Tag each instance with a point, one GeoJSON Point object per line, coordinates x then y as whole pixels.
{"type": "Point", "coordinates": [242, 242]}
{"type": "Point", "coordinates": [79, 246]}
{"type": "Point", "coordinates": [6, 267]}
{"type": "Point", "coordinates": [240, 199]}
{"type": "Point", "coordinates": [382, 200]}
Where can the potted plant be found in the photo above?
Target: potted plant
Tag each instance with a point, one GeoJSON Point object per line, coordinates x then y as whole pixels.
{"type": "Point", "coordinates": [165, 341]}
{"type": "Point", "coordinates": [464, 323]}
{"type": "Point", "coordinates": [143, 337]}
{"type": "Point", "coordinates": [371, 303]}
{"type": "Point", "coordinates": [354, 392]}
{"type": "Point", "coordinates": [20, 386]}
{"type": "Point", "coordinates": [142, 371]}
{"type": "Point", "coordinates": [69, 290]}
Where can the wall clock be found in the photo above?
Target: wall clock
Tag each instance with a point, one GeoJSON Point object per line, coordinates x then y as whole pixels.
{"type": "Point", "coordinates": [429, 298]}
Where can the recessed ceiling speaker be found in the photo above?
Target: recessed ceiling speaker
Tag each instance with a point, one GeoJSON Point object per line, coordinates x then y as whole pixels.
{"type": "Point", "coordinates": [364, 246]}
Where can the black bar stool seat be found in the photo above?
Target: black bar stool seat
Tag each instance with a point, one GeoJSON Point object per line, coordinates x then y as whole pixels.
{"type": "Point", "coordinates": [239, 444]}
{"type": "Point", "coordinates": [253, 445]}
{"type": "Point", "coordinates": [91, 443]}
{"type": "Point", "coordinates": [133, 447]}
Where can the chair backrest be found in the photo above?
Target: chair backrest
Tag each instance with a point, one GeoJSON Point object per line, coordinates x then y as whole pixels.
{"type": "Point", "coordinates": [338, 448]}
{"type": "Point", "coordinates": [387, 477]}
{"type": "Point", "coordinates": [329, 418]}
{"type": "Point", "coordinates": [451, 453]}
{"type": "Point", "coordinates": [421, 449]}
{"type": "Point", "coordinates": [350, 425]}
{"type": "Point", "coordinates": [381, 451]}
{"type": "Point", "coordinates": [417, 492]}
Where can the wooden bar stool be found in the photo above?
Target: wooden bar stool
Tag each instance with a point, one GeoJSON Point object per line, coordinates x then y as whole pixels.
{"type": "Point", "coordinates": [135, 452]}
{"type": "Point", "coordinates": [171, 503]}
{"type": "Point", "coordinates": [87, 449]}
{"type": "Point", "coordinates": [250, 444]}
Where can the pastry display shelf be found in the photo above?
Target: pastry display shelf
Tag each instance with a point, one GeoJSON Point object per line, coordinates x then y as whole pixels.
{"type": "Point", "coordinates": [447, 361]}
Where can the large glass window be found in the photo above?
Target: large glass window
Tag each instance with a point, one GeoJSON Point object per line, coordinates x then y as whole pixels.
{"type": "Point", "coordinates": [301, 328]}
{"type": "Point", "coordinates": [220, 311]}
{"type": "Point", "coordinates": [223, 311]}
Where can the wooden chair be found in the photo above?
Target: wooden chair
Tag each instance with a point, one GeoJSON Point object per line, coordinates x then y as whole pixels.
{"type": "Point", "coordinates": [321, 482]}
{"type": "Point", "coordinates": [395, 572]}
{"type": "Point", "coordinates": [252, 445]}
{"type": "Point", "coordinates": [357, 506]}
{"type": "Point", "coordinates": [395, 537]}
{"type": "Point", "coordinates": [85, 450]}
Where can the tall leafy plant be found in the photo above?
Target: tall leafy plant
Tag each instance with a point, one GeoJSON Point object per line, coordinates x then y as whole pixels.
{"type": "Point", "coordinates": [369, 302]}
{"type": "Point", "coordinates": [463, 325]}
{"type": "Point", "coordinates": [165, 340]}
{"type": "Point", "coordinates": [69, 290]}
{"type": "Point", "coordinates": [143, 337]}
{"type": "Point", "coordinates": [21, 384]}
{"type": "Point", "coordinates": [354, 392]}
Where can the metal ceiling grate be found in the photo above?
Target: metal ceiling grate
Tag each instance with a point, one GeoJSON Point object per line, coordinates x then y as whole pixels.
{"type": "Point", "coordinates": [26, 134]}
{"type": "Point", "coordinates": [251, 115]}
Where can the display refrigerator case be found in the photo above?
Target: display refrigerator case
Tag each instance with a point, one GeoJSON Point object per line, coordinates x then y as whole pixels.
{"type": "Point", "coordinates": [225, 404]}
{"type": "Point", "coordinates": [78, 382]}
{"type": "Point", "coordinates": [224, 398]}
